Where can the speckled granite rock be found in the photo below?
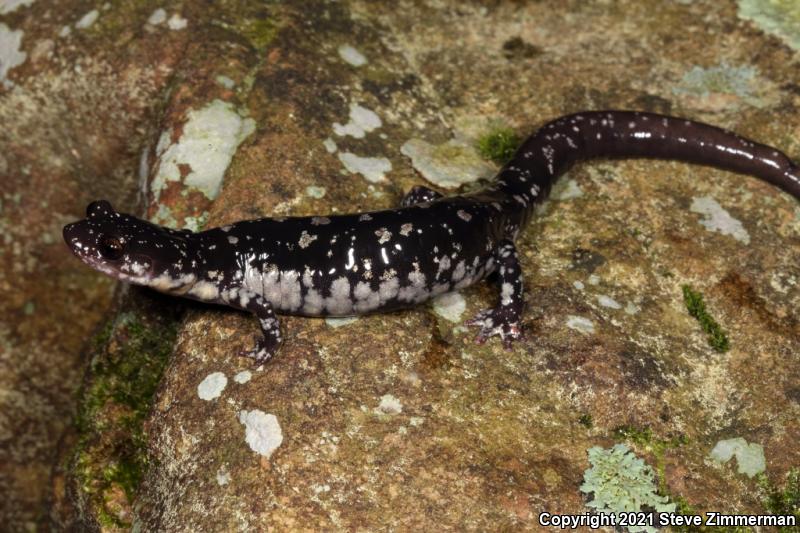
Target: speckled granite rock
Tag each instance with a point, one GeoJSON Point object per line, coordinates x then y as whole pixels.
{"type": "Point", "coordinates": [399, 420]}
{"type": "Point", "coordinates": [74, 113]}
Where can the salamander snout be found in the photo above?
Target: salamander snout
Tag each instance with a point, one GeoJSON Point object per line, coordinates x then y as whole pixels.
{"type": "Point", "coordinates": [71, 233]}
{"type": "Point", "coordinates": [124, 246]}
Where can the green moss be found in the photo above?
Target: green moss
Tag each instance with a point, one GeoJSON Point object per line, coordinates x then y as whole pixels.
{"type": "Point", "coordinates": [644, 438]}
{"type": "Point", "coordinates": [499, 145]}
{"type": "Point", "coordinates": [129, 357]}
{"type": "Point", "coordinates": [783, 501]}
{"type": "Point", "coordinates": [776, 501]}
{"type": "Point", "coordinates": [586, 420]}
{"type": "Point", "coordinates": [697, 308]}
{"type": "Point", "coordinates": [260, 31]}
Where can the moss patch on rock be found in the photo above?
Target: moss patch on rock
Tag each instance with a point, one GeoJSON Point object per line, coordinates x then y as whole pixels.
{"type": "Point", "coordinates": [128, 359]}
{"type": "Point", "coordinates": [784, 500]}
{"type": "Point", "coordinates": [499, 144]}
{"type": "Point", "coordinates": [696, 306]}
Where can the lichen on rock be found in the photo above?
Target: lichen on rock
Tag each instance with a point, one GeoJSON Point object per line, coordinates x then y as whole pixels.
{"type": "Point", "coordinates": [620, 482]}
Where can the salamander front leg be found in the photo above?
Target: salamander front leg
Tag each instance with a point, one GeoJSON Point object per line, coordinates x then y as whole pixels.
{"type": "Point", "coordinates": [505, 319]}
{"type": "Point", "coordinates": [268, 344]}
{"type": "Point", "coordinates": [418, 195]}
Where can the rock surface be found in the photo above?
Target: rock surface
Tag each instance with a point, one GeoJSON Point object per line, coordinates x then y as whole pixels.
{"type": "Point", "coordinates": [412, 424]}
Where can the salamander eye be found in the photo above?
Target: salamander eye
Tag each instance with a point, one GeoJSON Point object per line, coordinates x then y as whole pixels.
{"type": "Point", "coordinates": [111, 247]}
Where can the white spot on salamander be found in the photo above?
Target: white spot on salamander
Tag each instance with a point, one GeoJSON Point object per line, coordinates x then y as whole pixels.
{"type": "Point", "coordinates": [212, 386]}
{"type": "Point", "coordinates": [463, 215]}
{"type": "Point", "coordinates": [306, 239]}
{"type": "Point", "coordinates": [406, 228]}
{"type": "Point", "coordinates": [320, 221]}
{"type": "Point", "coordinates": [506, 292]}
{"type": "Point", "coordinates": [262, 432]}
{"type": "Point", "coordinates": [204, 290]}
{"type": "Point", "coordinates": [339, 302]}
{"type": "Point", "coordinates": [718, 219]}
{"type": "Point", "coordinates": [233, 240]}
{"type": "Point", "coordinates": [384, 235]}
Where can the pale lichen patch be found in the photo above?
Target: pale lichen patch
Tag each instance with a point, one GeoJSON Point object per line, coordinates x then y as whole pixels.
{"type": "Point", "coordinates": [9, 6]}
{"type": "Point", "coordinates": [570, 190]}
{"type": "Point", "coordinates": [339, 322]}
{"type": "Point", "coordinates": [242, 377]}
{"type": "Point", "coordinates": [447, 165]}
{"type": "Point", "coordinates": [778, 17]}
{"type": "Point", "coordinates": [177, 22]}
{"type": "Point", "coordinates": [11, 54]}
{"type": "Point", "coordinates": [225, 81]}
{"type": "Point", "coordinates": [212, 386]}
{"type": "Point", "coordinates": [87, 20]}
{"type": "Point", "coordinates": [362, 121]}
{"type": "Point", "coordinates": [330, 145]}
{"type": "Point", "coordinates": [608, 301]}
{"type": "Point", "coordinates": [210, 137]}
{"type": "Point", "coordinates": [389, 405]}
{"type": "Point", "coordinates": [262, 431]}
{"type": "Point", "coordinates": [718, 219]}
{"type": "Point", "coordinates": [315, 191]}
{"type": "Point", "coordinates": [749, 456]}
{"type": "Point", "coordinates": [374, 169]}
{"type": "Point", "coordinates": [223, 476]}
{"type": "Point", "coordinates": [579, 323]}
{"type": "Point", "coordinates": [351, 55]}
{"type": "Point", "coordinates": [159, 16]}
{"type": "Point", "coordinates": [450, 306]}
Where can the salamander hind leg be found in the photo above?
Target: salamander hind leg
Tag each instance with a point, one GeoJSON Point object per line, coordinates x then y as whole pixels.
{"type": "Point", "coordinates": [418, 195]}
{"type": "Point", "coordinates": [505, 319]}
{"type": "Point", "coordinates": [267, 345]}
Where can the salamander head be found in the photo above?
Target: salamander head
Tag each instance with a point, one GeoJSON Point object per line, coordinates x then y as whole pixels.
{"type": "Point", "coordinates": [130, 249]}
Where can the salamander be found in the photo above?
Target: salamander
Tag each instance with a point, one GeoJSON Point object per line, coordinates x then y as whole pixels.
{"type": "Point", "coordinates": [343, 265]}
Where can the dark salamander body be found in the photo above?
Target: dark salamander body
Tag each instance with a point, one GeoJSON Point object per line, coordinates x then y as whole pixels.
{"type": "Point", "coordinates": [353, 264]}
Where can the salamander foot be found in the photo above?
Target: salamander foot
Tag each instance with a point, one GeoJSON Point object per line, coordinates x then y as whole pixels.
{"type": "Point", "coordinates": [501, 321]}
{"type": "Point", "coordinates": [263, 350]}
